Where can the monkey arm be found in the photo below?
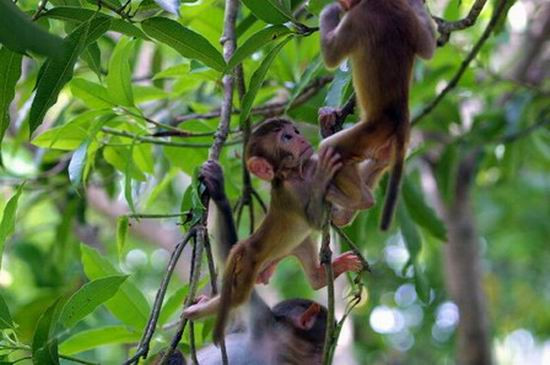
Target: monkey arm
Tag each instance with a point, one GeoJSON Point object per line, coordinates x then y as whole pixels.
{"type": "Point", "coordinates": [337, 38]}
{"type": "Point", "coordinates": [425, 37]}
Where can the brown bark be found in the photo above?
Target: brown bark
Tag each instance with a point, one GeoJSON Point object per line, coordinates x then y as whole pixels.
{"type": "Point", "coordinates": [463, 271]}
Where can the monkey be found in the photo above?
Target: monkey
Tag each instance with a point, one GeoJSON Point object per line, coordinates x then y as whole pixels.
{"type": "Point", "coordinates": [292, 332]}
{"type": "Point", "coordinates": [381, 39]}
{"type": "Point", "coordinates": [278, 153]}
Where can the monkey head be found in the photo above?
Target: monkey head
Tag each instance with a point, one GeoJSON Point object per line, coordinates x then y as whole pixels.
{"type": "Point", "coordinates": [305, 319]}
{"type": "Point", "coordinates": [276, 145]}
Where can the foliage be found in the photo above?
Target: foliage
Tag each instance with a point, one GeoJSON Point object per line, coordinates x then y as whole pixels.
{"type": "Point", "coordinates": [125, 98]}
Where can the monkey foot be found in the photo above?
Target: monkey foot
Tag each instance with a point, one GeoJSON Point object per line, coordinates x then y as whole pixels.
{"type": "Point", "coordinates": [348, 261]}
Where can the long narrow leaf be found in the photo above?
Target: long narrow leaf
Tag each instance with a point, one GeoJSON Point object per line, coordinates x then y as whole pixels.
{"type": "Point", "coordinates": [55, 73]}
{"type": "Point", "coordinates": [7, 224]}
{"type": "Point", "coordinates": [20, 34]}
{"type": "Point", "coordinates": [10, 64]}
{"type": "Point", "coordinates": [188, 43]}
{"type": "Point", "coordinates": [258, 78]}
{"type": "Point", "coordinates": [97, 337]}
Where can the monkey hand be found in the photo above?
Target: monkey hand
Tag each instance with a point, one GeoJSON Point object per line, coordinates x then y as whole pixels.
{"type": "Point", "coordinates": [211, 176]}
{"type": "Point", "coordinates": [327, 166]}
{"type": "Point", "coordinates": [195, 311]}
{"type": "Point", "coordinates": [348, 261]}
{"type": "Point", "coordinates": [329, 120]}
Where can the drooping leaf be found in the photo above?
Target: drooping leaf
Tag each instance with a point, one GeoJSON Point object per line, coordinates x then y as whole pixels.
{"type": "Point", "coordinates": [79, 14]}
{"type": "Point", "coordinates": [44, 342]}
{"type": "Point", "coordinates": [421, 283]}
{"type": "Point", "coordinates": [188, 43]}
{"type": "Point", "coordinates": [128, 304]}
{"type": "Point", "coordinates": [270, 11]}
{"type": "Point", "coordinates": [422, 213]}
{"type": "Point", "coordinates": [10, 64]}
{"type": "Point", "coordinates": [258, 78]}
{"type": "Point", "coordinates": [20, 34]}
{"type": "Point", "coordinates": [174, 71]}
{"type": "Point", "coordinates": [446, 172]}
{"type": "Point", "coordinates": [77, 163]}
{"type": "Point", "coordinates": [97, 337]}
{"type": "Point", "coordinates": [90, 296]}
{"type": "Point", "coordinates": [92, 56]}
{"type": "Point", "coordinates": [119, 78]}
{"type": "Point", "coordinates": [55, 73]}
{"type": "Point", "coordinates": [5, 317]}
{"type": "Point", "coordinates": [7, 224]}
{"type": "Point", "coordinates": [121, 233]}
{"type": "Point", "coordinates": [255, 42]}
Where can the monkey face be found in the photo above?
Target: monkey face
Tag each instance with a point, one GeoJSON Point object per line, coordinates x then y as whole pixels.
{"type": "Point", "coordinates": [291, 141]}
{"type": "Point", "coordinates": [348, 4]}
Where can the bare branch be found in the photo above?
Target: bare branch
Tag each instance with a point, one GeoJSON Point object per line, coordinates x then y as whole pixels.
{"type": "Point", "coordinates": [499, 11]}
{"type": "Point", "coordinates": [326, 261]}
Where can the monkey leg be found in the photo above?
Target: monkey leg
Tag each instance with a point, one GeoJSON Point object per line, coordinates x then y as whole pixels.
{"type": "Point", "coordinates": [307, 254]}
{"type": "Point", "coordinates": [348, 190]}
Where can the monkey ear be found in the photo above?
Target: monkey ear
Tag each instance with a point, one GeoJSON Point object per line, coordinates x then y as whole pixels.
{"type": "Point", "coordinates": [260, 167]}
{"type": "Point", "coordinates": [307, 319]}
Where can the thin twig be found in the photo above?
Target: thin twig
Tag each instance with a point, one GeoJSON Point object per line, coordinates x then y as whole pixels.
{"type": "Point", "coordinates": [143, 347]}
{"type": "Point", "coordinates": [40, 9]}
{"type": "Point", "coordinates": [270, 109]}
{"type": "Point", "coordinates": [157, 216]}
{"type": "Point", "coordinates": [196, 263]}
{"type": "Point", "coordinates": [77, 360]}
{"type": "Point", "coordinates": [464, 66]}
{"type": "Point", "coordinates": [326, 261]}
{"type": "Point", "coordinates": [143, 139]}
{"type": "Point", "coordinates": [353, 247]}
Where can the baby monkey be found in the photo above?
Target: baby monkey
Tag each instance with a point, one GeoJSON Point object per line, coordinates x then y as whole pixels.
{"type": "Point", "coordinates": [381, 39]}
{"type": "Point", "coordinates": [278, 153]}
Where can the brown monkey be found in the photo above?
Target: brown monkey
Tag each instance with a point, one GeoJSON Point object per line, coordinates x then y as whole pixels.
{"type": "Point", "coordinates": [279, 154]}
{"type": "Point", "coordinates": [292, 332]}
{"type": "Point", "coordinates": [381, 39]}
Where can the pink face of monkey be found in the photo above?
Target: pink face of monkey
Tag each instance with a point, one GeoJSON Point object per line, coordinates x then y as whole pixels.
{"type": "Point", "coordinates": [348, 4]}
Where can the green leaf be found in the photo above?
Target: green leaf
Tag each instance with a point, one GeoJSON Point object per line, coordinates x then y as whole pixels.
{"type": "Point", "coordinates": [55, 73]}
{"type": "Point", "coordinates": [128, 179]}
{"type": "Point", "coordinates": [10, 64]}
{"type": "Point", "coordinates": [422, 213]}
{"type": "Point", "coordinates": [93, 95]}
{"type": "Point", "coordinates": [410, 233]}
{"type": "Point", "coordinates": [121, 233]}
{"type": "Point", "coordinates": [92, 56]}
{"type": "Point", "coordinates": [421, 283]}
{"type": "Point", "coordinates": [128, 304]}
{"type": "Point", "coordinates": [90, 296]}
{"type": "Point", "coordinates": [312, 70]}
{"type": "Point", "coordinates": [255, 42]}
{"type": "Point", "coordinates": [258, 78]}
{"type": "Point", "coordinates": [19, 33]}
{"type": "Point", "coordinates": [174, 71]}
{"type": "Point", "coordinates": [172, 304]}
{"type": "Point", "coordinates": [44, 342]}
{"type": "Point", "coordinates": [188, 43]}
{"type": "Point", "coordinates": [7, 224]}
{"type": "Point", "coordinates": [77, 163]}
{"type": "Point", "coordinates": [446, 172]}
{"type": "Point", "coordinates": [119, 78]}
{"type": "Point", "coordinates": [5, 317]}
{"type": "Point", "coordinates": [97, 337]}
{"type": "Point", "coordinates": [270, 11]}
{"type": "Point", "coordinates": [79, 14]}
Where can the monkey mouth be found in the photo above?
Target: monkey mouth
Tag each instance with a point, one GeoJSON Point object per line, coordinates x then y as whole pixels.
{"type": "Point", "coordinates": [306, 150]}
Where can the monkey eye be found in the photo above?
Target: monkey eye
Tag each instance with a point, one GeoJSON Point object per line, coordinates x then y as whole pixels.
{"type": "Point", "coordinates": [286, 137]}
{"type": "Point", "coordinates": [296, 131]}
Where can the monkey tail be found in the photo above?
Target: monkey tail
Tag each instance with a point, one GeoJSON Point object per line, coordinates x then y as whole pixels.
{"type": "Point", "coordinates": [394, 183]}
{"type": "Point", "coordinates": [225, 299]}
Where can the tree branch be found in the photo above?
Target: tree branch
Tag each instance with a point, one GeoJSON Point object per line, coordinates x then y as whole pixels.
{"type": "Point", "coordinates": [445, 28]}
{"type": "Point", "coordinates": [326, 262]}
{"type": "Point", "coordinates": [499, 11]}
